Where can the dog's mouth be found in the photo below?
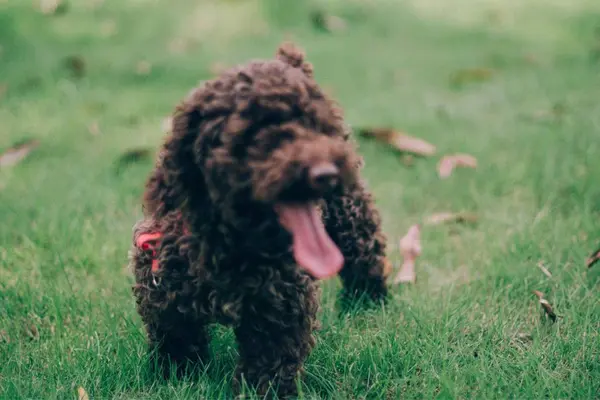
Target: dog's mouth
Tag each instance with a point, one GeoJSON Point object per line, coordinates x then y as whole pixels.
{"type": "Point", "coordinates": [313, 248]}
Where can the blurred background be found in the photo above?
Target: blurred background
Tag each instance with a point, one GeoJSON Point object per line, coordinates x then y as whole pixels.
{"type": "Point", "coordinates": [86, 91]}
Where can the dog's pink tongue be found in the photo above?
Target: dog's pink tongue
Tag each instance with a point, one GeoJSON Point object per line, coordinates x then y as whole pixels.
{"type": "Point", "coordinates": [313, 248]}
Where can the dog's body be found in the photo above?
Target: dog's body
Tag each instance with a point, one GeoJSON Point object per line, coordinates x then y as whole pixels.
{"type": "Point", "coordinates": [256, 195]}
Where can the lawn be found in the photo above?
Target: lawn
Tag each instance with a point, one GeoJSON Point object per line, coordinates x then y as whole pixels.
{"type": "Point", "coordinates": [97, 80]}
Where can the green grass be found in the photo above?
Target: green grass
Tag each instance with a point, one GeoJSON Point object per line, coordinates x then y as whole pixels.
{"type": "Point", "coordinates": [67, 316]}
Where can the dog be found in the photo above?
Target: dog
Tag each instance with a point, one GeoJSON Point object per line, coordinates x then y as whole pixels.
{"type": "Point", "coordinates": [255, 197]}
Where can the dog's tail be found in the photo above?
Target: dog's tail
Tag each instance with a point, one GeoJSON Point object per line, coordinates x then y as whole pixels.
{"type": "Point", "coordinates": [292, 55]}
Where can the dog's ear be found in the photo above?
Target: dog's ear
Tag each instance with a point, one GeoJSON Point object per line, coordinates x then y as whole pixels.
{"type": "Point", "coordinates": [177, 182]}
{"type": "Point", "coordinates": [292, 55]}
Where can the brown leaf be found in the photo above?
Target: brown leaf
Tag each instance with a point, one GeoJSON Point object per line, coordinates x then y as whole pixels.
{"type": "Point", "coordinates": [327, 23]}
{"type": "Point", "coordinates": [53, 7]}
{"type": "Point", "coordinates": [400, 141]}
{"type": "Point", "coordinates": [108, 28]}
{"type": "Point", "coordinates": [94, 128]}
{"type": "Point", "coordinates": [3, 89]}
{"type": "Point", "coordinates": [75, 64]}
{"type": "Point", "coordinates": [593, 259]}
{"type": "Point", "coordinates": [167, 123]}
{"type": "Point", "coordinates": [143, 68]}
{"type": "Point", "coordinates": [449, 162]}
{"type": "Point", "coordinates": [82, 394]}
{"type": "Point", "coordinates": [544, 269]}
{"type": "Point", "coordinates": [545, 305]}
{"type": "Point", "coordinates": [31, 331]}
{"type": "Point", "coordinates": [133, 156]}
{"type": "Point", "coordinates": [410, 249]}
{"type": "Point", "coordinates": [217, 68]}
{"type": "Point", "coordinates": [180, 45]}
{"type": "Point", "coordinates": [448, 217]}
{"type": "Point", "coordinates": [17, 153]}
{"type": "Point", "coordinates": [468, 75]}
{"type": "Point", "coordinates": [556, 112]}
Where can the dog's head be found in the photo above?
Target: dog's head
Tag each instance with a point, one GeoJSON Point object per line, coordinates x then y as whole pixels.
{"type": "Point", "coordinates": [261, 145]}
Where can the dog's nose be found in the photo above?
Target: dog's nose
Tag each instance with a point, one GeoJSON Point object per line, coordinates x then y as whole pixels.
{"type": "Point", "coordinates": [324, 177]}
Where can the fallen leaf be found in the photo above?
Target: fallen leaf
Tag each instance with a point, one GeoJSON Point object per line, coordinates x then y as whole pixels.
{"type": "Point", "coordinates": [31, 331]}
{"type": "Point", "coordinates": [53, 7]}
{"type": "Point", "coordinates": [531, 59]}
{"type": "Point", "coordinates": [143, 68]}
{"type": "Point", "coordinates": [75, 64]}
{"type": "Point", "coordinates": [524, 337]}
{"type": "Point", "coordinates": [448, 163]}
{"type": "Point", "coordinates": [17, 152]}
{"type": "Point", "coordinates": [545, 305]}
{"type": "Point", "coordinates": [167, 123]}
{"type": "Point", "coordinates": [556, 112]}
{"type": "Point", "coordinates": [468, 75]}
{"type": "Point", "coordinates": [218, 68]}
{"type": "Point", "coordinates": [544, 269]}
{"type": "Point", "coordinates": [108, 28]}
{"type": "Point", "coordinates": [4, 338]}
{"type": "Point", "coordinates": [327, 23]}
{"type": "Point", "coordinates": [3, 89]}
{"type": "Point", "coordinates": [400, 141]}
{"type": "Point", "coordinates": [94, 128]}
{"type": "Point", "coordinates": [410, 249]}
{"type": "Point", "coordinates": [179, 45]}
{"type": "Point", "coordinates": [448, 217]}
{"type": "Point", "coordinates": [593, 259]}
{"type": "Point", "coordinates": [132, 156]}
{"type": "Point", "coordinates": [82, 394]}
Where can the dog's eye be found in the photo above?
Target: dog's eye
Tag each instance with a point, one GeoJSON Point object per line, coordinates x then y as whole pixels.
{"type": "Point", "coordinates": [276, 139]}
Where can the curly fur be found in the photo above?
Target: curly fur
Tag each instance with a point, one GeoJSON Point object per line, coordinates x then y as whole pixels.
{"type": "Point", "coordinates": [239, 144]}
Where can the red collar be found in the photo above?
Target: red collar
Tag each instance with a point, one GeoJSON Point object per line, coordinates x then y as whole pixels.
{"type": "Point", "coordinates": [150, 241]}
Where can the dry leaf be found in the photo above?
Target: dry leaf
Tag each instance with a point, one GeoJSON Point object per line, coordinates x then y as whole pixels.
{"type": "Point", "coordinates": [400, 141]}
{"type": "Point", "coordinates": [143, 68]}
{"type": "Point", "coordinates": [545, 305]}
{"type": "Point", "coordinates": [179, 46]}
{"type": "Point", "coordinates": [218, 68]}
{"type": "Point", "coordinates": [17, 153]}
{"type": "Point", "coordinates": [410, 249]}
{"type": "Point", "coordinates": [3, 89]}
{"type": "Point", "coordinates": [50, 7]}
{"type": "Point", "coordinates": [82, 394]}
{"type": "Point", "coordinates": [448, 217]}
{"type": "Point", "coordinates": [76, 65]}
{"type": "Point", "coordinates": [135, 155]}
{"type": "Point", "coordinates": [557, 111]}
{"type": "Point", "coordinates": [94, 128]}
{"type": "Point", "coordinates": [544, 269]}
{"type": "Point", "coordinates": [132, 156]}
{"type": "Point", "coordinates": [464, 76]}
{"type": "Point", "coordinates": [327, 23]}
{"type": "Point", "coordinates": [31, 331]}
{"type": "Point", "coordinates": [108, 28]}
{"type": "Point", "coordinates": [593, 259]}
{"type": "Point", "coordinates": [448, 163]}
{"type": "Point", "coordinates": [167, 123]}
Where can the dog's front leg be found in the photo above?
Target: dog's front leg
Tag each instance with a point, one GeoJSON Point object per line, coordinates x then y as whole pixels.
{"type": "Point", "coordinates": [176, 333]}
{"type": "Point", "coordinates": [354, 224]}
{"type": "Point", "coordinates": [275, 337]}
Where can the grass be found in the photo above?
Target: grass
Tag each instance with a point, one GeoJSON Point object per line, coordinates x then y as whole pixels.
{"type": "Point", "coordinates": [469, 328]}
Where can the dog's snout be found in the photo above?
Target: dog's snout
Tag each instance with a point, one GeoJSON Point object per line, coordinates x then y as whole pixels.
{"type": "Point", "coordinates": [324, 177]}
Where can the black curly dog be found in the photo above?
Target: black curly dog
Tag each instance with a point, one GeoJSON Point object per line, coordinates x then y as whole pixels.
{"type": "Point", "coordinates": [255, 196]}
